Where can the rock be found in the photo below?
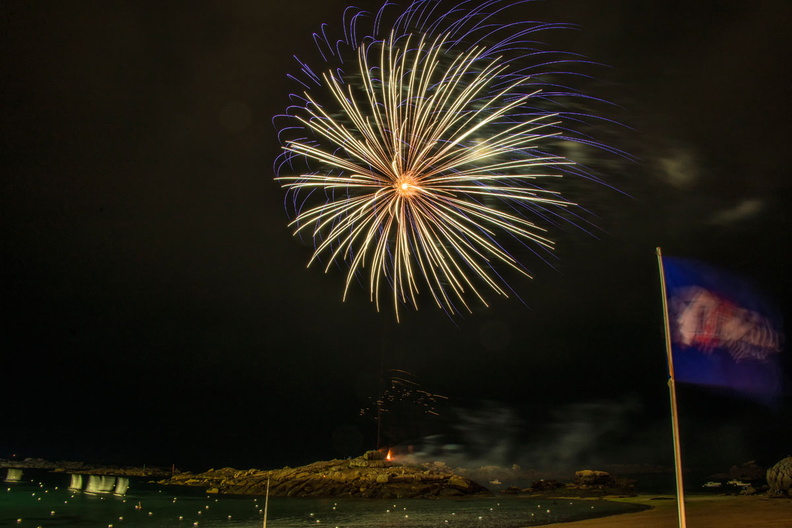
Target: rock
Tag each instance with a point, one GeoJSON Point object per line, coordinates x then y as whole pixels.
{"type": "Point", "coordinates": [592, 478]}
{"type": "Point", "coordinates": [545, 485]}
{"type": "Point", "coordinates": [598, 483]}
{"type": "Point", "coordinates": [370, 459]}
{"type": "Point", "coordinates": [779, 477]}
{"type": "Point", "coordinates": [459, 482]}
{"type": "Point", "coordinates": [747, 471]}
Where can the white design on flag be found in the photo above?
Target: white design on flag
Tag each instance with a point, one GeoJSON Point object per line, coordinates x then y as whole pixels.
{"type": "Point", "coordinates": [706, 321]}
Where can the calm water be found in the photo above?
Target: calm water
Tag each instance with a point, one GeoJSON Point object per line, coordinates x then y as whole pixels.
{"type": "Point", "coordinates": [47, 502]}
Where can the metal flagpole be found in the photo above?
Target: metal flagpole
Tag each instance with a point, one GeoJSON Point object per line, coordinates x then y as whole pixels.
{"type": "Point", "coordinates": [672, 390]}
{"type": "Point", "coordinates": [266, 503]}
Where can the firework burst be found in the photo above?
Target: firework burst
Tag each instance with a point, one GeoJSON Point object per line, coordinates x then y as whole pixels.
{"type": "Point", "coordinates": [421, 151]}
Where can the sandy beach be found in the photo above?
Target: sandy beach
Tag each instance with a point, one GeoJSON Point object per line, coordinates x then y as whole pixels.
{"type": "Point", "coordinates": [703, 511]}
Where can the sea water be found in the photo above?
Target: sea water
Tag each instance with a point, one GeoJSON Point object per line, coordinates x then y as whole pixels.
{"type": "Point", "coordinates": [47, 502]}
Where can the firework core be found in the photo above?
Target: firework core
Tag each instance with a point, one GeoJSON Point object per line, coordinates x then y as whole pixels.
{"type": "Point", "coordinates": [406, 185]}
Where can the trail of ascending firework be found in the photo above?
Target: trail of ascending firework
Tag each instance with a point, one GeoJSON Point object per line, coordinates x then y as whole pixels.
{"type": "Point", "coordinates": [426, 154]}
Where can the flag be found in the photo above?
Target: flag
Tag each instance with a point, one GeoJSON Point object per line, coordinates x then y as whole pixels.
{"type": "Point", "coordinates": [723, 332]}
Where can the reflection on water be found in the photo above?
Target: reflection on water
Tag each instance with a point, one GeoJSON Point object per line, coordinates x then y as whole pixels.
{"type": "Point", "coordinates": [48, 502]}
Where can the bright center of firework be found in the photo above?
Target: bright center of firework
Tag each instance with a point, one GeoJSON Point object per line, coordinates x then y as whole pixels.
{"type": "Point", "coordinates": [406, 185]}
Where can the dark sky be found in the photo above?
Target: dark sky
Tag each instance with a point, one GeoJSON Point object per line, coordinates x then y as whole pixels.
{"type": "Point", "coordinates": [158, 310]}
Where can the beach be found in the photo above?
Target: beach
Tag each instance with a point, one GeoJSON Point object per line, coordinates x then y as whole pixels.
{"type": "Point", "coordinates": [702, 511]}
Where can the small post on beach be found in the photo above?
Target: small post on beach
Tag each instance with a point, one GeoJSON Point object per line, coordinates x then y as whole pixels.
{"type": "Point", "coordinates": [266, 503]}
{"type": "Point", "coordinates": [672, 389]}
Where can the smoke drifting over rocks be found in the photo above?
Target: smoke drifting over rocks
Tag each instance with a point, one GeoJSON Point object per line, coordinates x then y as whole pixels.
{"type": "Point", "coordinates": [573, 436]}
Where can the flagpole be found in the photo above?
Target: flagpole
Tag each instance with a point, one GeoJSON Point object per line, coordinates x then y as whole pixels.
{"type": "Point", "coordinates": [266, 503]}
{"type": "Point", "coordinates": [672, 390]}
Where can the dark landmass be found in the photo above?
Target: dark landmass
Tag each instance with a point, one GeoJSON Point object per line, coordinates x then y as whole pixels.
{"type": "Point", "coordinates": [587, 483]}
{"type": "Point", "coordinates": [68, 466]}
{"type": "Point", "coordinates": [372, 476]}
{"type": "Point", "coordinates": [367, 476]}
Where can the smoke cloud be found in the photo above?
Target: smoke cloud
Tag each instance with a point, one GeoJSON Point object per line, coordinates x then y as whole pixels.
{"type": "Point", "coordinates": [506, 445]}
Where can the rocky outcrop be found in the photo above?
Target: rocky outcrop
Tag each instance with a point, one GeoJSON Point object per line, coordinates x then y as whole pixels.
{"type": "Point", "coordinates": [747, 471]}
{"type": "Point", "coordinates": [537, 487]}
{"type": "Point", "coordinates": [368, 476]}
{"type": "Point", "coordinates": [589, 478]}
{"type": "Point", "coordinates": [587, 483]}
{"type": "Point", "coordinates": [543, 485]}
{"type": "Point", "coordinates": [602, 482]}
{"type": "Point", "coordinates": [779, 477]}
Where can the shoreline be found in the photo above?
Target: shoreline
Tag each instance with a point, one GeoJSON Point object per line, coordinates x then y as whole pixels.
{"type": "Point", "coordinates": [702, 511]}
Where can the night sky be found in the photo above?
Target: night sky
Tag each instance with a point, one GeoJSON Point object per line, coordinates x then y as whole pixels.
{"type": "Point", "coordinates": [157, 309]}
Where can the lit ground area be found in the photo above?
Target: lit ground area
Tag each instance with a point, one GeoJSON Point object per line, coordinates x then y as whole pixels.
{"type": "Point", "coordinates": [702, 512]}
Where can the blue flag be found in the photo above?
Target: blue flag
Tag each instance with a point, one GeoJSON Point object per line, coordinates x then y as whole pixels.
{"type": "Point", "coordinates": [723, 333]}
